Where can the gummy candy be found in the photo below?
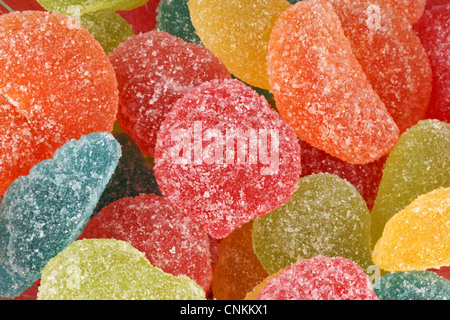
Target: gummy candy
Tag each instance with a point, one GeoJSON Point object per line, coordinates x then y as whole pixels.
{"type": "Point", "coordinates": [320, 88]}
{"type": "Point", "coordinates": [224, 157]}
{"type": "Point", "coordinates": [433, 30]}
{"type": "Point", "coordinates": [170, 241]}
{"type": "Point", "coordinates": [320, 278]}
{"type": "Point", "coordinates": [108, 269]}
{"type": "Point", "coordinates": [80, 7]}
{"type": "Point", "coordinates": [143, 19]}
{"type": "Point", "coordinates": [19, 5]}
{"type": "Point", "coordinates": [326, 216]}
{"type": "Point", "coordinates": [238, 33]}
{"type": "Point", "coordinates": [174, 17]}
{"type": "Point", "coordinates": [412, 285]}
{"type": "Point", "coordinates": [59, 82]}
{"type": "Point", "coordinates": [154, 70]}
{"type": "Point", "coordinates": [412, 10]}
{"type": "Point", "coordinates": [43, 212]}
{"type": "Point", "coordinates": [133, 176]}
{"type": "Point", "coordinates": [365, 178]}
{"type": "Point", "coordinates": [419, 163]}
{"type": "Point", "coordinates": [434, 3]}
{"type": "Point", "coordinates": [418, 237]}
{"type": "Point", "coordinates": [108, 28]}
{"type": "Point", "coordinates": [391, 56]}
{"type": "Point", "coordinates": [238, 270]}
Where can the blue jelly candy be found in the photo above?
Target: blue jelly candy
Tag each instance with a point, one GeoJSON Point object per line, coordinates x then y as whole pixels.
{"type": "Point", "coordinates": [45, 211]}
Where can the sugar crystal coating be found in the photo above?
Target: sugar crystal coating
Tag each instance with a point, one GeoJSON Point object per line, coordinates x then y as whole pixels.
{"type": "Point", "coordinates": [143, 19]}
{"type": "Point", "coordinates": [108, 269]}
{"type": "Point", "coordinates": [320, 88]}
{"type": "Point", "coordinates": [80, 7]}
{"type": "Point", "coordinates": [154, 70]}
{"type": "Point", "coordinates": [59, 82]}
{"type": "Point", "coordinates": [410, 9]}
{"type": "Point", "coordinates": [224, 157]}
{"type": "Point", "coordinates": [418, 237]}
{"type": "Point", "coordinates": [418, 164]}
{"type": "Point", "coordinates": [238, 32]}
{"type": "Point", "coordinates": [320, 278]}
{"type": "Point", "coordinates": [326, 216]}
{"type": "Point", "coordinates": [170, 241]}
{"type": "Point", "coordinates": [43, 212]}
{"type": "Point", "coordinates": [412, 285]}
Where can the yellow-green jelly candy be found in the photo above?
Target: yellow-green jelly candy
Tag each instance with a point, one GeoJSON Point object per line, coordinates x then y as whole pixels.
{"type": "Point", "coordinates": [80, 7]}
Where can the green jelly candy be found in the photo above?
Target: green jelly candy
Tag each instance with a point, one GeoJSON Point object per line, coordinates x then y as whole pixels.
{"type": "Point", "coordinates": [80, 7]}
{"type": "Point", "coordinates": [418, 164]}
{"type": "Point", "coordinates": [107, 27]}
{"type": "Point", "coordinates": [326, 216]}
{"type": "Point", "coordinates": [173, 17]}
{"type": "Point", "coordinates": [412, 285]}
{"type": "Point", "coordinates": [108, 269]}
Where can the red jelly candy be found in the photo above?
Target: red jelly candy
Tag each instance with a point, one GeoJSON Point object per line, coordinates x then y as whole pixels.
{"type": "Point", "coordinates": [224, 157]}
{"type": "Point", "coordinates": [142, 19]}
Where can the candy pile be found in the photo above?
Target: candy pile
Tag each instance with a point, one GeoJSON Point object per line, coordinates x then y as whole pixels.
{"type": "Point", "coordinates": [229, 150]}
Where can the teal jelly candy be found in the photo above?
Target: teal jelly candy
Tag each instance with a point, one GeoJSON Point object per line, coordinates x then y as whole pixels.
{"type": "Point", "coordinates": [418, 164]}
{"type": "Point", "coordinates": [326, 216]}
{"type": "Point", "coordinates": [173, 17]}
{"type": "Point", "coordinates": [43, 212]}
{"type": "Point", "coordinates": [108, 269]}
{"type": "Point", "coordinates": [133, 175]}
{"type": "Point", "coordinates": [80, 7]}
{"type": "Point", "coordinates": [108, 28]}
{"type": "Point", "coordinates": [412, 285]}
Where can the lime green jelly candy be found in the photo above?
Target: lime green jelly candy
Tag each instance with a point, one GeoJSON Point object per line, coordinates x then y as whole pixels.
{"type": "Point", "coordinates": [108, 28]}
{"type": "Point", "coordinates": [326, 216]}
{"type": "Point", "coordinates": [418, 164]}
{"type": "Point", "coordinates": [80, 7]}
{"type": "Point", "coordinates": [107, 269]}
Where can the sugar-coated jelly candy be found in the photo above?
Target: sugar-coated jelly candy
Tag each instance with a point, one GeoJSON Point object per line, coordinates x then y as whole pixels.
{"type": "Point", "coordinates": [319, 278]}
{"type": "Point", "coordinates": [418, 237]}
{"type": "Point", "coordinates": [154, 70]}
{"type": "Point", "coordinates": [57, 81]}
{"type": "Point", "coordinates": [19, 5]}
{"type": "Point", "coordinates": [391, 56]}
{"type": "Point", "coordinates": [142, 19]}
{"type": "Point", "coordinates": [238, 33]}
{"type": "Point", "coordinates": [43, 212]}
{"type": "Point", "coordinates": [169, 240]}
{"type": "Point", "coordinates": [433, 30]}
{"type": "Point", "coordinates": [225, 157]}
{"type": "Point", "coordinates": [238, 269]}
{"type": "Point", "coordinates": [412, 10]}
{"type": "Point", "coordinates": [174, 17]}
{"type": "Point", "coordinates": [326, 216]}
{"type": "Point", "coordinates": [80, 7]}
{"type": "Point", "coordinates": [108, 269]}
{"type": "Point", "coordinates": [132, 177]}
{"type": "Point", "coordinates": [320, 88]}
{"type": "Point", "coordinates": [412, 285]}
{"type": "Point", "coordinates": [418, 164]}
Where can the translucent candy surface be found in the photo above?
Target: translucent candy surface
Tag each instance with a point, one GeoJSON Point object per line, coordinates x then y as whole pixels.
{"type": "Point", "coordinates": [410, 9]}
{"type": "Point", "coordinates": [419, 163]}
{"type": "Point", "coordinates": [20, 5]}
{"type": "Point", "coordinates": [238, 32]}
{"type": "Point", "coordinates": [154, 70]}
{"type": "Point", "coordinates": [143, 19]}
{"type": "Point", "coordinates": [433, 30]}
{"type": "Point", "coordinates": [43, 212]}
{"type": "Point", "coordinates": [81, 7]}
{"type": "Point", "coordinates": [418, 237]}
{"type": "Point", "coordinates": [132, 176]}
{"type": "Point", "coordinates": [108, 28]}
{"type": "Point", "coordinates": [58, 85]}
{"type": "Point", "coordinates": [391, 56]}
{"type": "Point", "coordinates": [412, 285]}
{"type": "Point", "coordinates": [107, 269]}
{"type": "Point", "coordinates": [320, 88]}
{"type": "Point", "coordinates": [169, 240]}
{"type": "Point", "coordinates": [326, 216]}
{"type": "Point", "coordinates": [320, 278]}
{"type": "Point", "coordinates": [224, 157]}
{"type": "Point", "coordinates": [174, 17]}
{"type": "Point", "coordinates": [238, 270]}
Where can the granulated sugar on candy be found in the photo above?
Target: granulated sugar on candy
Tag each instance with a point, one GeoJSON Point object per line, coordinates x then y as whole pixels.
{"type": "Point", "coordinates": [43, 212]}
{"type": "Point", "coordinates": [58, 85]}
{"type": "Point", "coordinates": [170, 241]}
{"type": "Point", "coordinates": [224, 157]}
{"type": "Point", "coordinates": [80, 7]}
{"type": "Point", "coordinates": [320, 88]}
{"type": "Point", "coordinates": [108, 269]}
{"type": "Point", "coordinates": [154, 70]}
{"type": "Point", "coordinates": [412, 10]}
